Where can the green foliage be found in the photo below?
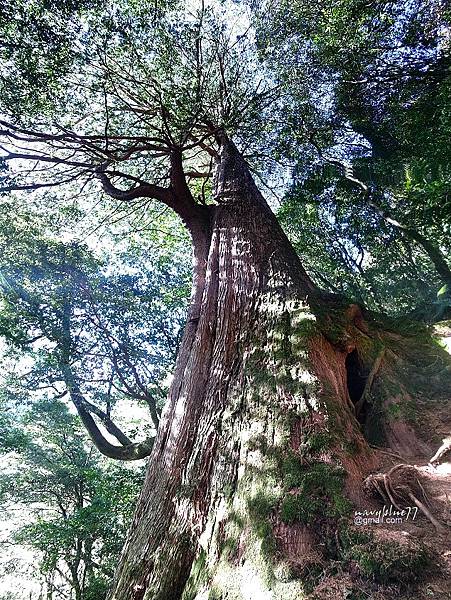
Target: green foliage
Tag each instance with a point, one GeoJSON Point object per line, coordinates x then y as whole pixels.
{"type": "Point", "coordinates": [369, 90]}
{"type": "Point", "coordinates": [114, 323]}
{"type": "Point", "coordinates": [78, 506]}
{"type": "Point", "coordinates": [350, 98]}
{"type": "Point", "coordinates": [38, 45]}
{"type": "Point", "coordinates": [340, 92]}
{"type": "Point", "coordinates": [12, 438]}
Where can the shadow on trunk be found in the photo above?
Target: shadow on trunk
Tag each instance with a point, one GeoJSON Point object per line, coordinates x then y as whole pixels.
{"type": "Point", "coordinates": [279, 392]}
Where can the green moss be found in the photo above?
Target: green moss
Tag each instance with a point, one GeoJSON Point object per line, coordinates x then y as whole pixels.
{"type": "Point", "coordinates": [229, 547]}
{"type": "Point", "coordinates": [293, 471]}
{"type": "Point", "coordinates": [333, 323]}
{"type": "Point", "coordinates": [314, 476]}
{"type": "Point", "coordinates": [394, 411]}
{"type": "Point", "coordinates": [236, 519]}
{"type": "Point", "coordinates": [268, 545]}
{"type": "Point", "coordinates": [228, 491]}
{"type": "Point", "coordinates": [340, 506]}
{"type": "Point", "coordinates": [297, 507]}
{"type": "Point", "coordinates": [318, 491]}
{"type": "Point", "coordinates": [352, 537]}
{"type": "Point", "coordinates": [406, 327]}
{"type": "Point", "coordinates": [215, 594]}
{"type": "Point", "coordinates": [259, 508]}
{"type": "Point", "coordinates": [258, 442]}
{"type": "Point", "coordinates": [411, 411]}
{"type": "Point", "coordinates": [387, 562]}
{"type": "Point", "coordinates": [199, 576]}
{"type": "Point", "coordinates": [303, 330]}
{"type": "Point", "coordinates": [407, 409]}
{"type": "Point", "coordinates": [351, 447]}
{"type": "Point", "coordinates": [319, 442]}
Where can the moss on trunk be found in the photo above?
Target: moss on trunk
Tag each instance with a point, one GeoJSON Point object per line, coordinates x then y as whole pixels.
{"type": "Point", "coordinates": [259, 457]}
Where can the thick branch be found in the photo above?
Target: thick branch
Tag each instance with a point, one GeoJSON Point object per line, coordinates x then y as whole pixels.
{"type": "Point", "coordinates": [142, 190]}
{"type": "Point", "coordinates": [110, 426]}
{"type": "Point", "coordinates": [130, 451]}
{"type": "Point", "coordinates": [178, 196]}
{"type": "Point", "coordinates": [180, 188]}
{"type": "Point", "coordinates": [434, 253]}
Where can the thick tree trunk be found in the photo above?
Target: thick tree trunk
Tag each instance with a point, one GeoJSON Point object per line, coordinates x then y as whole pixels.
{"type": "Point", "coordinates": [258, 393]}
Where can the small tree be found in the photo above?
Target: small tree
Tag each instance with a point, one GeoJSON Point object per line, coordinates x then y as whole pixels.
{"type": "Point", "coordinates": [79, 505]}
{"type": "Point", "coordinates": [83, 334]}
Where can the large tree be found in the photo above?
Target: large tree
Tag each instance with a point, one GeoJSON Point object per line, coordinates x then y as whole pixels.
{"type": "Point", "coordinates": [279, 388]}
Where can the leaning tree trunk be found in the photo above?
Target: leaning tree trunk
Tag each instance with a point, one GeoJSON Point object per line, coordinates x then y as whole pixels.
{"type": "Point", "coordinates": [259, 400]}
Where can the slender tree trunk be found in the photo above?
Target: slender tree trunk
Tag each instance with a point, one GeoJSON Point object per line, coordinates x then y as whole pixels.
{"type": "Point", "coordinates": [255, 382]}
{"type": "Point", "coordinates": [75, 581]}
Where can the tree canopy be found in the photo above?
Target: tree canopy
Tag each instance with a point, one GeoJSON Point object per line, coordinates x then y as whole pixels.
{"type": "Point", "coordinates": [348, 125]}
{"type": "Point", "coordinates": [372, 149]}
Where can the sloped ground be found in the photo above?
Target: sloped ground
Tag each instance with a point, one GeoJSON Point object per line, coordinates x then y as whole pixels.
{"type": "Point", "coordinates": [407, 421]}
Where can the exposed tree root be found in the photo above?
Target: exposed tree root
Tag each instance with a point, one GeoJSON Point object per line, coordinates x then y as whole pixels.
{"type": "Point", "coordinates": [402, 484]}
{"type": "Point", "coordinates": [427, 513]}
{"type": "Point", "coordinates": [444, 448]}
{"type": "Point", "coordinates": [388, 452]}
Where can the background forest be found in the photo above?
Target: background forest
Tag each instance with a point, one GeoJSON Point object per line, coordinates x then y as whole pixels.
{"type": "Point", "coordinates": [349, 138]}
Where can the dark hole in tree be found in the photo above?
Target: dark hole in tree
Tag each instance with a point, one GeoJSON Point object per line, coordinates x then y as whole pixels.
{"type": "Point", "coordinates": [356, 380]}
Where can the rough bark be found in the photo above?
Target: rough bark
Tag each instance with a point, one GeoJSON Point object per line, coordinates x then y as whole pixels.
{"type": "Point", "coordinates": [260, 383]}
{"type": "Point", "coordinates": [246, 248]}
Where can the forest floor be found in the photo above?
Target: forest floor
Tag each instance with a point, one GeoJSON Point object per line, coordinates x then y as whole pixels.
{"type": "Point", "coordinates": [413, 474]}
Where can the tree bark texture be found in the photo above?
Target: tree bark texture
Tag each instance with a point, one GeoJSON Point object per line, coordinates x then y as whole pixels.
{"type": "Point", "coordinates": [256, 385]}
